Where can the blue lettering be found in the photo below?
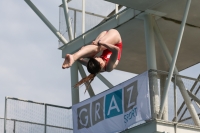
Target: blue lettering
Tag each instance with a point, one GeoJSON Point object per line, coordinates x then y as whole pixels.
{"type": "Point", "coordinates": [130, 115]}
{"type": "Point", "coordinates": [126, 120]}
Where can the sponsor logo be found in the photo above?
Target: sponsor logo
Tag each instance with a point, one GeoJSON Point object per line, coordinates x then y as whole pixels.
{"type": "Point", "coordinates": [121, 101]}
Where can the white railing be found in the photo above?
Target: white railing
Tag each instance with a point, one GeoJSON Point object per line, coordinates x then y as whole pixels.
{"type": "Point", "coordinates": [22, 116]}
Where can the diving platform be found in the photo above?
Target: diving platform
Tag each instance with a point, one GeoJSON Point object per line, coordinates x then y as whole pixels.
{"type": "Point", "coordinates": [130, 24]}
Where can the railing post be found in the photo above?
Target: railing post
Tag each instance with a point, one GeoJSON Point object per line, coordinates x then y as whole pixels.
{"type": "Point", "coordinates": [74, 23]}
{"type": "Point", "coordinates": [14, 126]}
{"type": "Point", "coordinates": [175, 104]}
{"type": "Point", "coordinates": [162, 86]}
{"type": "Point", "coordinates": [45, 118]}
{"type": "Point", "coordinates": [83, 16]}
{"type": "Point", "coordinates": [5, 115]}
{"type": "Point", "coordinates": [175, 99]}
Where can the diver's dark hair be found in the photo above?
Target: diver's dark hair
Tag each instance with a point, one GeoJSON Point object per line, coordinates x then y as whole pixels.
{"type": "Point", "coordinates": [93, 66]}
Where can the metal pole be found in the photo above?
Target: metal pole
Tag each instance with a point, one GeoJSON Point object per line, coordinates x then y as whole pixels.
{"type": "Point", "coordinates": [44, 19]}
{"type": "Point", "coordinates": [151, 64]}
{"type": "Point", "coordinates": [14, 126]}
{"type": "Point", "coordinates": [5, 115]}
{"type": "Point", "coordinates": [74, 80]}
{"type": "Point", "coordinates": [74, 24]}
{"type": "Point", "coordinates": [162, 85]}
{"type": "Point", "coordinates": [105, 81]}
{"type": "Point", "coordinates": [175, 100]}
{"type": "Point", "coordinates": [45, 118]}
{"type": "Point", "coordinates": [185, 95]}
{"type": "Point", "coordinates": [67, 19]}
{"type": "Point", "coordinates": [175, 105]}
{"type": "Point", "coordinates": [83, 16]}
{"type": "Point", "coordinates": [83, 75]}
{"type": "Point", "coordinates": [178, 80]}
{"type": "Point", "coordinates": [116, 8]}
{"type": "Point", "coordinates": [194, 97]}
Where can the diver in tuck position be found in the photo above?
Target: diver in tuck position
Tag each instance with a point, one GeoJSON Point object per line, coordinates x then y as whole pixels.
{"type": "Point", "coordinates": [110, 43]}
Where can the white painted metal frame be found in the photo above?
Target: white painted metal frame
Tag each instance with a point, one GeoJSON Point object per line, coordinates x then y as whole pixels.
{"type": "Point", "coordinates": [169, 59]}
{"type": "Point", "coordinates": [151, 64]}
{"type": "Point", "coordinates": [172, 68]}
{"type": "Point", "coordinates": [116, 8]}
{"type": "Point", "coordinates": [45, 105]}
{"type": "Point", "coordinates": [194, 97]}
{"type": "Point", "coordinates": [45, 20]}
{"type": "Point", "coordinates": [74, 80]}
{"type": "Point", "coordinates": [175, 57]}
{"type": "Point", "coordinates": [83, 16]}
{"type": "Point", "coordinates": [97, 15]}
{"type": "Point", "coordinates": [104, 80]}
{"type": "Point", "coordinates": [67, 19]}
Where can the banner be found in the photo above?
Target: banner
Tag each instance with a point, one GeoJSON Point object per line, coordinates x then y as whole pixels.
{"type": "Point", "coordinates": [115, 109]}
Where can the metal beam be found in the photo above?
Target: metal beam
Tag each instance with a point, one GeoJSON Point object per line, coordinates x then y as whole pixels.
{"type": "Point", "coordinates": [44, 19]}
{"type": "Point", "coordinates": [162, 85]}
{"type": "Point", "coordinates": [83, 75]}
{"type": "Point", "coordinates": [74, 80]}
{"type": "Point", "coordinates": [67, 19]}
{"type": "Point", "coordinates": [105, 81]}
{"type": "Point", "coordinates": [83, 16]}
{"type": "Point", "coordinates": [116, 8]}
{"type": "Point", "coordinates": [151, 64]}
{"type": "Point", "coordinates": [5, 115]}
{"type": "Point", "coordinates": [194, 97]}
{"type": "Point", "coordinates": [97, 15]}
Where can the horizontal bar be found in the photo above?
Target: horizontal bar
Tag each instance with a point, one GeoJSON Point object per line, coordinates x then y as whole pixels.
{"type": "Point", "coordinates": [59, 106]}
{"type": "Point", "coordinates": [88, 13]}
{"type": "Point", "coordinates": [17, 99]}
{"type": "Point", "coordinates": [38, 124]}
{"type": "Point", "coordinates": [29, 101]}
{"type": "Point", "coordinates": [164, 72]}
{"type": "Point", "coordinates": [188, 118]}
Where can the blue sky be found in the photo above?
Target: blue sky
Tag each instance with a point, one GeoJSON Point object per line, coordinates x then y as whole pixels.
{"type": "Point", "coordinates": [30, 63]}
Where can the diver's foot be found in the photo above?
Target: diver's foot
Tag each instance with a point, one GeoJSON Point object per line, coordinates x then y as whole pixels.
{"type": "Point", "coordinates": [69, 60]}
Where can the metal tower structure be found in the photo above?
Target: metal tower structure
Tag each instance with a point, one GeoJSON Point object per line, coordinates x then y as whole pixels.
{"type": "Point", "coordinates": [155, 33]}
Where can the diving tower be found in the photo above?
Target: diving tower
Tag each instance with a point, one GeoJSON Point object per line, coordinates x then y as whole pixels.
{"type": "Point", "coordinates": [157, 35]}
